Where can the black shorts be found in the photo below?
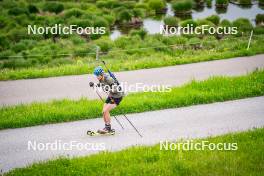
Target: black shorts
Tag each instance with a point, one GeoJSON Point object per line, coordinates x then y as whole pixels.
{"type": "Point", "coordinates": [113, 100]}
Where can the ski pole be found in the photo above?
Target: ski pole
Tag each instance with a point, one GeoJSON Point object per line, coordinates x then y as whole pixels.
{"type": "Point", "coordinates": [113, 115]}
{"type": "Point", "coordinates": [127, 119]}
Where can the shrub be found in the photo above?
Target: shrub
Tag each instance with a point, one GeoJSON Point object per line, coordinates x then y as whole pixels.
{"type": "Point", "coordinates": [53, 7]}
{"type": "Point", "coordinates": [17, 11]}
{"type": "Point", "coordinates": [259, 30]}
{"type": "Point", "coordinates": [157, 5]}
{"type": "Point", "coordinates": [205, 22]}
{"type": "Point", "coordinates": [221, 2]}
{"type": "Point", "coordinates": [140, 13]}
{"type": "Point", "coordinates": [261, 2]}
{"type": "Point", "coordinates": [141, 33]}
{"type": "Point", "coordinates": [124, 15]}
{"type": "Point", "coordinates": [244, 1]}
{"type": "Point", "coordinates": [209, 3]}
{"type": "Point", "coordinates": [243, 24]}
{"type": "Point", "coordinates": [214, 19]}
{"type": "Point", "coordinates": [171, 21]}
{"type": "Point", "coordinates": [100, 22]}
{"type": "Point", "coordinates": [141, 6]}
{"type": "Point", "coordinates": [129, 4]}
{"type": "Point", "coordinates": [84, 51]}
{"type": "Point", "coordinates": [19, 47]}
{"type": "Point", "coordinates": [3, 21]}
{"type": "Point", "coordinates": [4, 54]}
{"type": "Point", "coordinates": [225, 23]}
{"type": "Point", "coordinates": [73, 13]}
{"type": "Point", "coordinates": [110, 19]}
{"type": "Point", "coordinates": [32, 9]}
{"type": "Point", "coordinates": [182, 6]}
{"type": "Point", "coordinates": [4, 42]}
{"type": "Point", "coordinates": [108, 4]}
{"type": "Point", "coordinates": [190, 22]}
{"type": "Point", "coordinates": [80, 22]}
{"type": "Point", "coordinates": [194, 40]}
{"type": "Point", "coordinates": [105, 44]}
{"type": "Point", "coordinates": [260, 18]}
{"type": "Point", "coordinates": [16, 63]}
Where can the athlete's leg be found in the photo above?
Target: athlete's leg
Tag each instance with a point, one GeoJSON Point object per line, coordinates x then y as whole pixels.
{"type": "Point", "coordinates": [106, 112]}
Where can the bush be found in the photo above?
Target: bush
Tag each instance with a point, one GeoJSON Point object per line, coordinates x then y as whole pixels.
{"type": "Point", "coordinates": [171, 21]}
{"type": "Point", "coordinates": [53, 7]}
{"type": "Point", "coordinates": [214, 19]}
{"type": "Point", "coordinates": [17, 11]}
{"type": "Point", "coordinates": [80, 22]}
{"type": "Point", "coordinates": [205, 22]}
{"type": "Point", "coordinates": [110, 19]}
{"type": "Point", "coordinates": [221, 2]}
{"type": "Point", "coordinates": [209, 3]}
{"type": "Point", "coordinates": [259, 30]}
{"type": "Point", "coordinates": [260, 18]}
{"type": "Point", "coordinates": [139, 13]}
{"type": "Point", "coordinates": [19, 47]}
{"type": "Point", "coordinates": [6, 53]}
{"type": "Point", "coordinates": [85, 51]}
{"type": "Point", "coordinates": [3, 21]}
{"type": "Point", "coordinates": [141, 33]}
{"type": "Point", "coordinates": [73, 13]}
{"type": "Point", "coordinates": [100, 22]}
{"type": "Point", "coordinates": [105, 44]}
{"type": "Point", "coordinates": [182, 6]}
{"type": "Point", "coordinates": [261, 2]}
{"type": "Point", "coordinates": [244, 1]}
{"type": "Point", "coordinates": [108, 4]}
{"type": "Point", "coordinates": [16, 63]}
{"type": "Point", "coordinates": [157, 5]}
{"type": "Point", "coordinates": [225, 23]}
{"type": "Point", "coordinates": [124, 16]}
{"type": "Point", "coordinates": [32, 9]}
{"type": "Point", "coordinates": [243, 24]}
{"type": "Point", "coordinates": [190, 22]}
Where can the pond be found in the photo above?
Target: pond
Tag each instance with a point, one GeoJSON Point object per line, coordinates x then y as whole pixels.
{"type": "Point", "coordinates": [232, 12]}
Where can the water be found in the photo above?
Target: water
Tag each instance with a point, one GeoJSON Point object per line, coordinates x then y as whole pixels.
{"type": "Point", "coordinates": [232, 12]}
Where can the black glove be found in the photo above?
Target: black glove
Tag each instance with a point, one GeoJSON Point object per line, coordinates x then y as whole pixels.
{"type": "Point", "coordinates": [91, 84]}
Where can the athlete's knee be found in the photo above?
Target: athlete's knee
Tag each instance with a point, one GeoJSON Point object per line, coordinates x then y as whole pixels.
{"type": "Point", "coordinates": [105, 110]}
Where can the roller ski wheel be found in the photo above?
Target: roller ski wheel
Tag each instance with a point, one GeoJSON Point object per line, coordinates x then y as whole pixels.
{"type": "Point", "coordinates": [100, 133]}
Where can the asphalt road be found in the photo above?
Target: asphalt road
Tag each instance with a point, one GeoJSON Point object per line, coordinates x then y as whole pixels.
{"type": "Point", "coordinates": [170, 124]}
{"type": "Point", "coordinates": [75, 87]}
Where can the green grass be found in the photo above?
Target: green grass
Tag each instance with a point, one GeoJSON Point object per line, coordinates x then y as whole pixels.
{"type": "Point", "coordinates": [246, 160]}
{"type": "Point", "coordinates": [138, 58]}
{"type": "Point", "coordinates": [215, 89]}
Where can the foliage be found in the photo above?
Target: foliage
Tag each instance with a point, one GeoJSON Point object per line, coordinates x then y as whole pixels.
{"type": "Point", "coordinates": [214, 19]}
{"type": "Point", "coordinates": [260, 18]}
{"type": "Point", "coordinates": [182, 5]}
{"type": "Point", "coordinates": [243, 24]}
{"type": "Point", "coordinates": [53, 7]}
{"type": "Point", "coordinates": [171, 21]}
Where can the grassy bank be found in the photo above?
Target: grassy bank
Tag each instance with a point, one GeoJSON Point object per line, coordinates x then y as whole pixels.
{"type": "Point", "coordinates": [166, 51]}
{"type": "Point", "coordinates": [246, 160]}
{"type": "Point", "coordinates": [213, 90]}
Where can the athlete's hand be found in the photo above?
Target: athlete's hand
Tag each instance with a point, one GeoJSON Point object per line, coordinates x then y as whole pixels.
{"type": "Point", "coordinates": [91, 84]}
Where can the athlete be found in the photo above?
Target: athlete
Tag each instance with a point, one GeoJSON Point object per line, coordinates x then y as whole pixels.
{"type": "Point", "coordinates": [115, 95]}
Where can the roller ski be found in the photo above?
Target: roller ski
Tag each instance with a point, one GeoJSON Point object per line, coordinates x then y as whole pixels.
{"type": "Point", "coordinates": [103, 132]}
